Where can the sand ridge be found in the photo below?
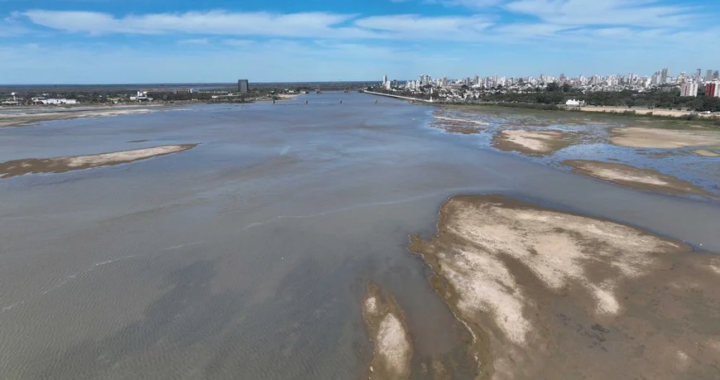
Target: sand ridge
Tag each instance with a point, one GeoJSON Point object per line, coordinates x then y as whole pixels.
{"type": "Point", "coordinates": [640, 137]}
{"type": "Point", "coordinates": [555, 295]}
{"type": "Point", "coordinates": [385, 321]}
{"type": "Point", "coordinates": [64, 164]}
{"type": "Point", "coordinates": [25, 118]}
{"type": "Point", "coordinates": [707, 152]}
{"type": "Point", "coordinates": [630, 176]}
{"type": "Point", "coordinates": [530, 141]}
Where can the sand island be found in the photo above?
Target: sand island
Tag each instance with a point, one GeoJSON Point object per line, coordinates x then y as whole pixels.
{"type": "Point", "coordinates": [553, 295]}
{"type": "Point", "coordinates": [65, 164]}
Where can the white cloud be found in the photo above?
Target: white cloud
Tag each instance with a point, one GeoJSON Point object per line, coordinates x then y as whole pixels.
{"type": "Point", "coordinates": [10, 26]}
{"type": "Point", "coordinates": [474, 4]}
{"type": "Point", "coordinates": [605, 12]}
{"type": "Point", "coordinates": [420, 27]}
{"type": "Point", "coordinates": [638, 22]}
{"type": "Point", "coordinates": [194, 41]}
{"type": "Point", "coordinates": [237, 42]}
{"type": "Point", "coordinates": [201, 23]}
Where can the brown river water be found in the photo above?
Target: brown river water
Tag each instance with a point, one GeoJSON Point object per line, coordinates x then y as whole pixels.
{"type": "Point", "coordinates": [247, 256]}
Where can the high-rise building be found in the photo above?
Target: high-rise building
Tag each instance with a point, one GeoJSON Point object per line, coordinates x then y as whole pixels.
{"type": "Point", "coordinates": [689, 89]}
{"type": "Point", "coordinates": [716, 75]}
{"type": "Point", "coordinates": [712, 89]}
{"type": "Point", "coordinates": [385, 79]}
{"type": "Point", "coordinates": [708, 76]}
{"type": "Point", "coordinates": [243, 86]}
{"type": "Point", "coordinates": [664, 76]}
{"type": "Point", "coordinates": [698, 75]}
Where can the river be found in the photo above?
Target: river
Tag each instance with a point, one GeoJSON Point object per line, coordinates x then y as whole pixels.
{"type": "Point", "coordinates": [247, 256]}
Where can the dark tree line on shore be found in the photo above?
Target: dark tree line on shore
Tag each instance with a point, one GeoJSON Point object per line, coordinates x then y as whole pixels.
{"type": "Point", "coordinates": [554, 94]}
{"type": "Point", "coordinates": [664, 98]}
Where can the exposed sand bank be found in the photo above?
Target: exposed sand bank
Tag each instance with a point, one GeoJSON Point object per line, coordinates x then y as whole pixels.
{"type": "Point", "coordinates": [64, 164]}
{"type": "Point", "coordinates": [642, 111]}
{"type": "Point", "coordinates": [638, 137]}
{"type": "Point", "coordinates": [25, 118]}
{"type": "Point", "coordinates": [386, 324]}
{"type": "Point", "coordinates": [626, 175]}
{"type": "Point", "coordinates": [707, 152]}
{"type": "Point", "coordinates": [552, 295]}
{"type": "Point", "coordinates": [531, 142]}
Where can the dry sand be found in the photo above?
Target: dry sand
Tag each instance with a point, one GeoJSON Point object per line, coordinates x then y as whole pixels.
{"type": "Point", "coordinates": [707, 152]}
{"type": "Point", "coordinates": [643, 179]}
{"type": "Point", "coordinates": [26, 118]}
{"type": "Point", "coordinates": [642, 111]}
{"type": "Point", "coordinates": [638, 137]}
{"type": "Point", "coordinates": [552, 295]}
{"type": "Point", "coordinates": [65, 164]}
{"type": "Point", "coordinates": [386, 324]}
{"type": "Point", "coordinates": [531, 142]}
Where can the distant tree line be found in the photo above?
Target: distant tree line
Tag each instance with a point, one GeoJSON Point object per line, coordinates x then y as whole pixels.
{"type": "Point", "coordinates": [664, 98]}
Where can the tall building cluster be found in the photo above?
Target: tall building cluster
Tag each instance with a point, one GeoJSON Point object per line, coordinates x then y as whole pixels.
{"type": "Point", "coordinates": [688, 84]}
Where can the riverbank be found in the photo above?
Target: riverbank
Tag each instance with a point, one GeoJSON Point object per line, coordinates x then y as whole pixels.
{"type": "Point", "coordinates": [550, 294]}
{"type": "Point", "coordinates": [674, 119]}
{"type": "Point", "coordinates": [40, 114]}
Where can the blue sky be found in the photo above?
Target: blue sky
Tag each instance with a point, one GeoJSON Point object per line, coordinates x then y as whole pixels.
{"type": "Point", "coordinates": [170, 41]}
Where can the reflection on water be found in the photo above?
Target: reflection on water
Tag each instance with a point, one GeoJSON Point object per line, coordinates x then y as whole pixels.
{"type": "Point", "coordinates": [246, 257]}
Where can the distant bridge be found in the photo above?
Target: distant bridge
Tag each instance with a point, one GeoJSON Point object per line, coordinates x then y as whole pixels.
{"type": "Point", "coordinates": [398, 97]}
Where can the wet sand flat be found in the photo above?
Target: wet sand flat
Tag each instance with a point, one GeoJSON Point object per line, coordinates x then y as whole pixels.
{"type": "Point", "coordinates": [707, 152]}
{"type": "Point", "coordinates": [27, 118]}
{"type": "Point", "coordinates": [630, 176]}
{"type": "Point", "coordinates": [531, 142]}
{"type": "Point", "coordinates": [65, 164]}
{"type": "Point", "coordinates": [548, 294]}
{"type": "Point", "coordinates": [640, 137]}
{"type": "Point", "coordinates": [642, 111]}
{"type": "Point", "coordinates": [387, 327]}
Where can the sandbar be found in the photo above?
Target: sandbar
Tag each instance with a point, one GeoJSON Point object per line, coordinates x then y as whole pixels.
{"type": "Point", "coordinates": [639, 137]}
{"type": "Point", "coordinates": [707, 152]}
{"type": "Point", "coordinates": [630, 176]}
{"type": "Point", "coordinates": [387, 329]}
{"type": "Point", "coordinates": [65, 164]}
{"type": "Point", "coordinates": [644, 111]}
{"type": "Point", "coordinates": [531, 142]}
{"type": "Point", "coordinates": [27, 118]}
{"type": "Point", "coordinates": [554, 295]}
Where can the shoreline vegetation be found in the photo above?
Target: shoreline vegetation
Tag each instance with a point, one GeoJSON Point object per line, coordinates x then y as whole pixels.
{"type": "Point", "coordinates": [28, 115]}
{"type": "Point", "coordinates": [552, 294]}
{"type": "Point", "coordinates": [712, 120]}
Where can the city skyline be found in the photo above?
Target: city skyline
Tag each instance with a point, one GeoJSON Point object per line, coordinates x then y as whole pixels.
{"type": "Point", "coordinates": [139, 42]}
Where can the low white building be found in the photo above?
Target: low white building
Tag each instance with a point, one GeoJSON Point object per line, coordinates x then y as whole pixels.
{"type": "Point", "coordinates": [141, 97]}
{"type": "Point", "coordinates": [54, 102]}
{"type": "Point", "coordinates": [575, 103]}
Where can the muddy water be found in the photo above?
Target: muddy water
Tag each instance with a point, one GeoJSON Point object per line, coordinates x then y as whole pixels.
{"type": "Point", "coordinates": [247, 256]}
